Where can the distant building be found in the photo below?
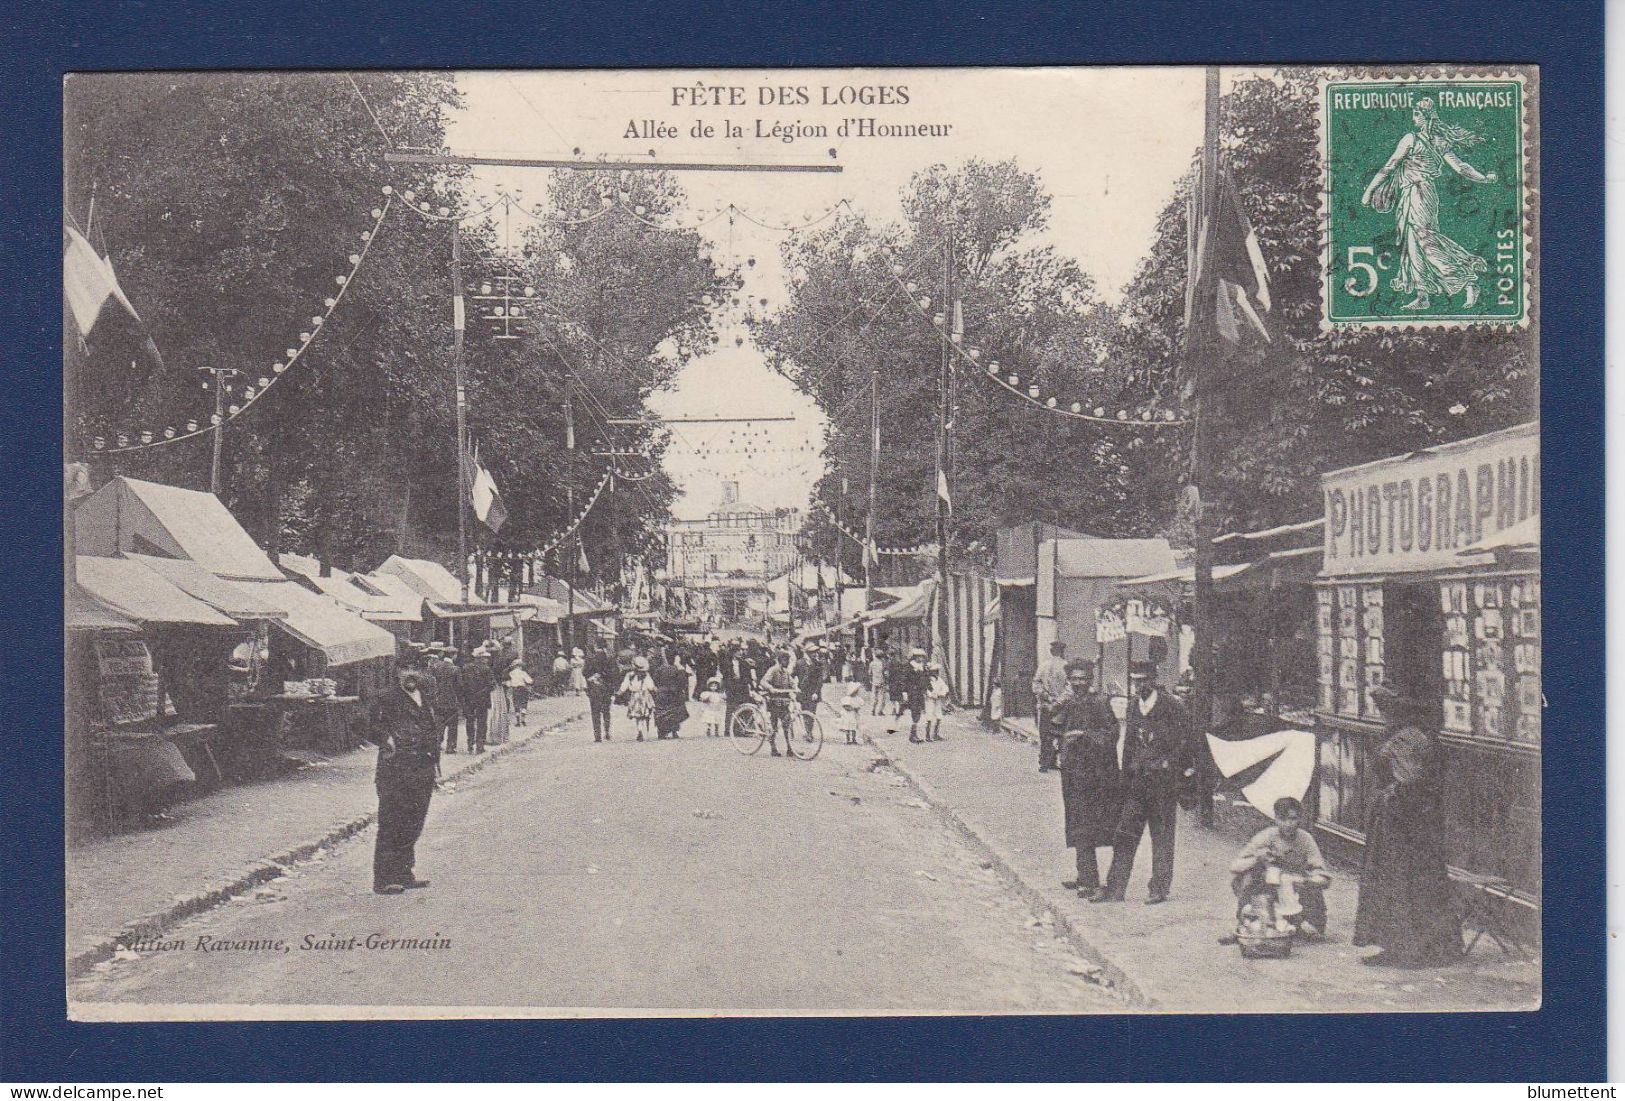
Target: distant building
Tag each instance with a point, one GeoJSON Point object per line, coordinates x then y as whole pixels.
{"type": "Point", "coordinates": [720, 567]}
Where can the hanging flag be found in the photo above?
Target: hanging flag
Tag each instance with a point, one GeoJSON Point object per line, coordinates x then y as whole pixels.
{"type": "Point", "coordinates": [484, 496]}
{"type": "Point", "coordinates": [89, 285]}
{"type": "Point", "coordinates": [582, 564]}
{"type": "Point", "coordinates": [959, 319]}
{"type": "Point", "coordinates": [942, 489]}
{"type": "Point", "coordinates": [1241, 280]}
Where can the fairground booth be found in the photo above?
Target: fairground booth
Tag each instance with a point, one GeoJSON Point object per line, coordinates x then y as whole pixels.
{"type": "Point", "coordinates": [255, 665]}
{"type": "Point", "coordinates": [1430, 582]}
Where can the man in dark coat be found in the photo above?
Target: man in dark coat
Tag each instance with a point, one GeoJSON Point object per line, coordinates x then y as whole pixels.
{"type": "Point", "coordinates": [734, 668]}
{"type": "Point", "coordinates": [602, 680]}
{"type": "Point", "coordinates": [1091, 785]}
{"type": "Point", "coordinates": [810, 676]}
{"type": "Point", "coordinates": [402, 724]}
{"type": "Point", "coordinates": [1406, 905]}
{"type": "Point", "coordinates": [447, 703]}
{"type": "Point", "coordinates": [910, 686]}
{"type": "Point", "coordinates": [1156, 757]}
{"type": "Point", "coordinates": [707, 660]}
{"type": "Point", "coordinates": [474, 683]}
{"type": "Point", "coordinates": [671, 696]}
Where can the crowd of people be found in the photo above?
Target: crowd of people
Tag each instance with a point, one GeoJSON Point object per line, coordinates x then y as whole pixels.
{"type": "Point", "coordinates": [1124, 771]}
{"type": "Point", "coordinates": [1125, 775]}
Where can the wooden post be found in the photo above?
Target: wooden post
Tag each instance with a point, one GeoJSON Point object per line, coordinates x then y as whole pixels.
{"type": "Point", "coordinates": [462, 405]}
{"type": "Point", "coordinates": [1200, 354]}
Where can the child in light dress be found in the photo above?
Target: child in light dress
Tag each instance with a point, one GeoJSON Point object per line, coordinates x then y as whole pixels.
{"type": "Point", "coordinates": [936, 696]}
{"type": "Point", "coordinates": [851, 708]}
{"type": "Point", "coordinates": [716, 707]}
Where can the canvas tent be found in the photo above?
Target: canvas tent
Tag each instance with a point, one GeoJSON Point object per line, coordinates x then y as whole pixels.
{"type": "Point", "coordinates": [168, 522]}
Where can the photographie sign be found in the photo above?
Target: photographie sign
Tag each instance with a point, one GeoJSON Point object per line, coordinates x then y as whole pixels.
{"type": "Point", "coordinates": [1422, 511]}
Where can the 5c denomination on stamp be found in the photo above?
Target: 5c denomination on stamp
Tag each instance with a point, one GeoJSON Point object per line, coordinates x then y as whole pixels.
{"type": "Point", "coordinates": [1425, 195]}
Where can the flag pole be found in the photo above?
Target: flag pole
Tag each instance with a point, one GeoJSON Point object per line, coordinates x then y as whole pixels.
{"type": "Point", "coordinates": [1202, 352]}
{"type": "Point", "coordinates": [457, 323]}
{"type": "Point", "coordinates": [944, 401]}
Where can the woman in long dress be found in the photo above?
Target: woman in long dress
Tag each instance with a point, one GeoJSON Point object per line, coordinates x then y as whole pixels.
{"type": "Point", "coordinates": [578, 671]}
{"type": "Point", "coordinates": [1406, 905]}
{"type": "Point", "coordinates": [638, 693]}
{"type": "Point", "coordinates": [1429, 262]}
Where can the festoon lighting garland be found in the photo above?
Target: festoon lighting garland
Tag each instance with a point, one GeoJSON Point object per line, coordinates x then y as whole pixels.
{"type": "Point", "coordinates": [901, 552]}
{"type": "Point", "coordinates": [142, 439]}
{"type": "Point", "coordinates": [1033, 394]}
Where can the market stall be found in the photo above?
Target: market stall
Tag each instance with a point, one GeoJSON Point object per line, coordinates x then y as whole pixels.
{"type": "Point", "coordinates": [323, 662]}
{"type": "Point", "coordinates": [1431, 583]}
{"type": "Point", "coordinates": [148, 705]}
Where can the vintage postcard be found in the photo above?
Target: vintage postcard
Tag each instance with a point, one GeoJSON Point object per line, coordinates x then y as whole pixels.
{"type": "Point", "coordinates": [802, 542]}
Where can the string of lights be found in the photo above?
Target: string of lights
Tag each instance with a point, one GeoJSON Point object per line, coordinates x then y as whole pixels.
{"type": "Point", "coordinates": [900, 552]}
{"type": "Point", "coordinates": [143, 439]}
{"type": "Point", "coordinates": [1146, 417]}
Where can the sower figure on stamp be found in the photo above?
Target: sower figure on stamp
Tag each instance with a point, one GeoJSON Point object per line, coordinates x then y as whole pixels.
{"type": "Point", "coordinates": [404, 727]}
{"type": "Point", "coordinates": [1091, 784]}
{"type": "Point", "coordinates": [1049, 685]}
{"type": "Point", "coordinates": [1156, 757]}
{"type": "Point", "coordinates": [1429, 262]}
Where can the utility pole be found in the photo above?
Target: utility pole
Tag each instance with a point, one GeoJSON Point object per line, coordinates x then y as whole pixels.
{"type": "Point", "coordinates": [944, 411]}
{"type": "Point", "coordinates": [570, 507]}
{"type": "Point", "coordinates": [218, 377]}
{"type": "Point", "coordinates": [1201, 352]}
{"type": "Point", "coordinates": [869, 553]}
{"type": "Point", "coordinates": [457, 325]}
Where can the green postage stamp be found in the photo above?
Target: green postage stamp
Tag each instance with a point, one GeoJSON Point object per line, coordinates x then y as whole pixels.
{"type": "Point", "coordinates": [1426, 201]}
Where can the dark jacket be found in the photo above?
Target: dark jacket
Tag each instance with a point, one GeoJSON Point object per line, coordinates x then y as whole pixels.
{"type": "Point", "coordinates": [1091, 786]}
{"type": "Point", "coordinates": [911, 685]}
{"type": "Point", "coordinates": [601, 666]}
{"type": "Point", "coordinates": [445, 677]}
{"type": "Point", "coordinates": [407, 736]}
{"type": "Point", "coordinates": [811, 676]}
{"type": "Point", "coordinates": [1156, 748]}
{"type": "Point", "coordinates": [475, 681]}
{"type": "Point", "coordinates": [671, 692]}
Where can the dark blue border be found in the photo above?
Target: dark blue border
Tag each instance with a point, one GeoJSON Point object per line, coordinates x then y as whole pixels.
{"type": "Point", "coordinates": [1565, 1041]}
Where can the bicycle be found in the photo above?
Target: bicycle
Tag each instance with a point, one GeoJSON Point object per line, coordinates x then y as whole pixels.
{"type": "Point", "coordinates": [752, 727]}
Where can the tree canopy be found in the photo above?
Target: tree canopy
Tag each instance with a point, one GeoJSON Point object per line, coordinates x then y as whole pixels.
{"type": "Point", "coordinates": [229, 204]}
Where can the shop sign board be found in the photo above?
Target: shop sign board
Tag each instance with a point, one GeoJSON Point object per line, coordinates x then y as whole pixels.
{"type": "Point", "coordinates": [118, 657]}
{"type": "Point", "coordinates": [1420, 511]}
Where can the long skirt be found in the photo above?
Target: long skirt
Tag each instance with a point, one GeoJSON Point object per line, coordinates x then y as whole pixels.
{"type": "Point", "coordinates": [1406, 903]}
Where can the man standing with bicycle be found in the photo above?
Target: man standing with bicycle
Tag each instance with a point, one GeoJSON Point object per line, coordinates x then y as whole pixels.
{"type": "Point", "coordinates": [780, 688]}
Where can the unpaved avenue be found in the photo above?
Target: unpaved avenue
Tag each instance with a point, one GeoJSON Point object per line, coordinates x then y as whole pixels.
{"type": "Point", "coordinates": [672, 876]}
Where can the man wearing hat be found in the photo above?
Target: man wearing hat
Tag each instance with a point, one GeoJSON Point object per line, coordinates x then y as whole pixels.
{"type": "Point", "coordinates": [474, 683]}
{"type": "Point", "coordinates": [1091, 784]}
{"type": "Point", "coordinates": [1049, 685]}
{"type": "Point", "coordinates": [403, 726]}
{"type": "Point", "coordinates": [1156, 756]}
{"type": "Point", "coordinates": [779, 686]}
{"type": "Point", "coordinates": [447, 702]}
{"type": "Point", "coordinates": [810, 675]}
{"type": "Point", "coordinates": [913, 684]}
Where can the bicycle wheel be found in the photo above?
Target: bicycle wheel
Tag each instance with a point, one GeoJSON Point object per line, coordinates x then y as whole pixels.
{"type": "Point", "coordinates": [808, 738]}
{"type": "Point", "coordinates": [747, 730]}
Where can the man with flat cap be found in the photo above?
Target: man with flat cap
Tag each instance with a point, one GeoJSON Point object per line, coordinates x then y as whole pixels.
{"type": "Point", "coordinates": [1156, 757]}
{"type": "Point", "coordinates": [1091, 783]}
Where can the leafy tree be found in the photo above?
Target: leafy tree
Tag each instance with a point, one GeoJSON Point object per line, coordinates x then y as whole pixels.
{"type": "Point", "coordinates": [230, 203]}
{"type": "Point", "coordinates": [1318, 401]}
{"type": "Point", "coordinates": [1023, 303]}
